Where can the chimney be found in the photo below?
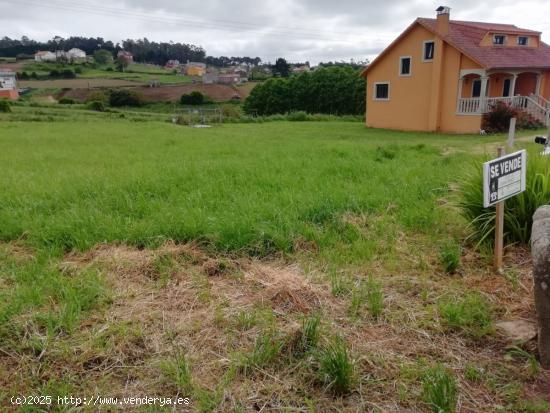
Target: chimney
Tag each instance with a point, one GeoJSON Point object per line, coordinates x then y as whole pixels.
{"type": "Point", "coordinates": [443, 15]}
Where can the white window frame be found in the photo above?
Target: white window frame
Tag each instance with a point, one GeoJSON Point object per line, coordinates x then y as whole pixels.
{"type": "Point", "coordinates": [401, 58]}
{"type": "Point", "coordinates": [424, 51]}
{"type": "Point", "coordinates": [526, 40]}
{"type": "Point", "coordinates": [386, 82]}
{"type": "Point", "coordinates": [503, 39]}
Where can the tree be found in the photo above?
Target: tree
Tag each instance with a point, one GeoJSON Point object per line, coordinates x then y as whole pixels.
{"type": "Point", "coordinates": [123, 61]}
{"type": "Point", "coordinates": [281, 67]}
{"type": "Point", "coordinates": [103, 56]}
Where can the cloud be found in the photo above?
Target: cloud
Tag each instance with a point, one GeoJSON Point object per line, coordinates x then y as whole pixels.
{"type": "Point", "coordinates": [314, 30]}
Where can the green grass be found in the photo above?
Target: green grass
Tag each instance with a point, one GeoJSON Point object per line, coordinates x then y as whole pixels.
{"type": "Point", "coordinates": [470, 314]}
{"type": "Point", "coordinates": [439, 390]}
{"type": "Point", "coordinates": [336, 367]}
{"type": "Point", "coordinates": [245, 188]}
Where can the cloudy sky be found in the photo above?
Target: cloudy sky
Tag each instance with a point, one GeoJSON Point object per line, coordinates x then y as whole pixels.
{"type": "Point", "coordinates": [300, 30]}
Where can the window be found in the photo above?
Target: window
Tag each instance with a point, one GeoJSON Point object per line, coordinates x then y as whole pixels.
{"type": "Point", "coordinates": [382, 91]}
{"type": "Point", "coordinates": [476, 88]}
{"type": "Point", "coordinates": [405, 66]}
{"type": "Point", "coordinates": [523, 40]}
{"type": "Point", "coordinates": [506, 87]}
{"type": "Point", "coordinates": [498, 39]}
{"type": "Point", "coordinates": [429, 47]}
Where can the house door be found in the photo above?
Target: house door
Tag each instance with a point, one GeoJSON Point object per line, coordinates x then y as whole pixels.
{"type": "Point", "coordinates": [476, 88]}
{"type": "Point", "coordinates": [506, 87]}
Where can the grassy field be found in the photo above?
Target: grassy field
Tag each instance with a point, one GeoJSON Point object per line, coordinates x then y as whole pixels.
{"type": "Point", "coordinates": [283, 266]}
{"type": "Point", "coordinates": [136, 73]}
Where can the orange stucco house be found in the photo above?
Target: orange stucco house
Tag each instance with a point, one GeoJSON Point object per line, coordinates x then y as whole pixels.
{"type": "Point", "coordinates": [442, 75]}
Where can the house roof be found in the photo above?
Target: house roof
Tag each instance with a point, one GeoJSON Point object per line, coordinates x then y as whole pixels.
{"type": "Point", "coordinates": [466, 36]}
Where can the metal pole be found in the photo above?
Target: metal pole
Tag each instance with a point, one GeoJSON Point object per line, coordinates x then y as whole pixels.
{"type": "Point", "coordinates": [499, 228]}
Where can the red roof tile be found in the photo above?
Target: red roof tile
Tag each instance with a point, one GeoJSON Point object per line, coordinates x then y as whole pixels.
{"type": "Point", "coordinates": [466, 37]}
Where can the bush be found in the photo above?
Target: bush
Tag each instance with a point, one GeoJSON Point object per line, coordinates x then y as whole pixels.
{"type": "Point", "coordinates": [66, 101]}
{"type": "Point", "coordinates": [34, 75]}
{"type": "Point", "coordinates": [54, 73]}
{"type": "Point", "coordinates": [298, 116]}
{"type": "Point", "coordinates": [78, 70]}
{"type": "Point", "coordinates": [96, 105]}
{"type": "Point", "coordinates": [5, 106]}
{"type": "Point", "coordinates": [193, 98]}
{"type": "Point", "coordinates": [97, 96]}
{"type": "Point", "coordinates": [439, 390]}
{"type": "Point", "coordinates": [499, 115]}
{"type": "Point", "coordinates": [24, 76]}
{"type": "Point", "coordinates": [124, 97]}
{"type": "Point", "coordinates": [68, 74]}
{"type": "Point", "coordinates": [470, 315]}
{"type": "Point", "coordinates": [518, 214]}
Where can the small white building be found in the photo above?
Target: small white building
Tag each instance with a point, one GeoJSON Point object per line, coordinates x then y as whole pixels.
{"type": "Point", "coordinates": [76, 54]}
{"type": "Point", "coordinates": [8, 84]}
{"type": "Point", "coordinates": [45, 56]}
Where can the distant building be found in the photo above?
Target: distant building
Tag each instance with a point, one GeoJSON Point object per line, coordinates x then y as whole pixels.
{"type": "Point", "coordinates": [45, 56]}
{"type": "Point", "coordinates": [301, 69]}
{"type": "Point", "coordinates": [76, 54]}
{"type": "Point", "coordinates": [123, 54]}
{"type": "Point", "coordinates": [195, 69]}
{"type": "Point", "coordinates": [172, 64]}
{"type": "Point", "coordinates": [8, 84]}
{"type": "Point", "coordinates": [210, 78]}
{"type": "Point", "coordinates": [229, 78]}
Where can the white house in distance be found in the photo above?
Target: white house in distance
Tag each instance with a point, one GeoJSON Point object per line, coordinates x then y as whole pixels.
{"type": "Point", "coordinates": [45, 56]}
{"type": "Point", "coordinates": [8, 84]}
{"type": "Point", "coordinates": [76, 54]}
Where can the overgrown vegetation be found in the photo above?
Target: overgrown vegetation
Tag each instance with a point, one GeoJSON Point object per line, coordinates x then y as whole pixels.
{"type": "Point", "coordinates": [440, 390]}
{"type": "Point", "coordinates": [498, 119]}
{"type": "Point", "coordinates": [335, 90]}
{"type": "Point", "coordinates": [518, 214]}
{"type": "Point", "coordinates": [470, 315]}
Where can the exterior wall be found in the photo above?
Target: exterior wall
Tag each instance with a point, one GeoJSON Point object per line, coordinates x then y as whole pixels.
{"type": "Point", "coordinates": [409, 96]}
{"type": "Point", "coordinates": [526, 84]}
{"type": "Point", "coordinates": [195, 71]}
{"type": "Point", "coordinates": [545, 85]}
{"type": "Point", "coordinates": [449, 120]}
{"type": "Point", "coordinates": [10, 94]}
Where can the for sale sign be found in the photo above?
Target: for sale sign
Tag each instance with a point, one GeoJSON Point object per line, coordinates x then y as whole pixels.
{"type": "Point", "coordinates": [504, 177]}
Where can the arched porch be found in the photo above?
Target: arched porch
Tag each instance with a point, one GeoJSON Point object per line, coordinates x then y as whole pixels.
{"type": "Point", "coordinates": [479, 89]}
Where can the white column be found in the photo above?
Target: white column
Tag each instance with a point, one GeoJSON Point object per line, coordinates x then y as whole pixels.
{"type": "Point", "coordinates": [537, 88]}
{"type": "Point", "coordinates": [459, 94]}
{"type": "Point", "coordinates": [513, 85]}
{"type": "Point", "coordinates": [483, 93]}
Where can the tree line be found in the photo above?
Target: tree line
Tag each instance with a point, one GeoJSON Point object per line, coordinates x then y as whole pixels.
{"type": "Point", "coordinates": [143, 50]}
{"type": "Point", "coordinates": [331, 90]}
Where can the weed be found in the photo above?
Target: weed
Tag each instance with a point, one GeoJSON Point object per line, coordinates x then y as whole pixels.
{"type": "Point", "coordinates": [308, 336]}
{"type": "Point", "coordinates": [375, 298]}
{"type": "Point", "coordinates": [336, 367]}
{"type": "Point", "coordinates": [339, 285]}
{"type": "Point", "coordinates": [449, 256]}
{"type": "Point", "coordinates": [470, 314]}
{"type": "Point", "coordinates": [177, 370]}
{"type": "Point", "coordinates": [533, 366]}
{"type": "Point", "coordinates": [265, 352]}
{"type": "Point", "coordinates": [439, 390]}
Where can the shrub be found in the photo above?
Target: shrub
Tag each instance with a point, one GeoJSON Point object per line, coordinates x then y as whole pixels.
{"type": "Point", "coordinates": [34, 75]}
{"type": "Point", "coordinates": [336, 367]}
{"type": "Point", "coordinates": [5, 106]}
{"type": "Point", "coordinates": [54, 73]}
{"type": "Point", "coordinates": [78, 70]}
{"type": "Point", "coordinates": [498, 117]}
{"type": "Point", "coordinates": [193, 98]}
{"type": "Point", "coordinates": [68, 74]}
{"type": "Point", "coordinates": [96, 105]}
{"type": "Point", "coordinates": [439, 390]}
{"type": "Point", "coordinates": [124, 97]}
{"type": "Point", "coordinates": [66, 101]}
{"type": "Point", "coordinates": [449, 255]}
{"type": "Point", "coordinates": [518, 214]}
{"type": "Point", "coordinates": [110, 69]}
{"type": "Point", "coordinates": [97, 96]}
{"type": "Point", "coordinates": [298, 116]}
{"type": "Point", "coordinates": [24, 76]}
{"type": "Point", "coordinates": [470, 315]}
{"type": "Point", "coordinates": [230, 112]}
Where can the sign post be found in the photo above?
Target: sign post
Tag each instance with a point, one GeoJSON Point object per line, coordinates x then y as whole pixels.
{"type": "Point", "coordinates": [511, 134]}
{"type": "Point", "coordinates": [503, 178]}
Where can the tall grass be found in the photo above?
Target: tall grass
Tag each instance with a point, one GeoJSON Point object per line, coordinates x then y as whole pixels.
{"type": "Point", "coordinates": [336, 367]}
{"type": "Point", "coordinates": [440, 390]}
{"type": "Point", "coordinates": [519, 210]}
